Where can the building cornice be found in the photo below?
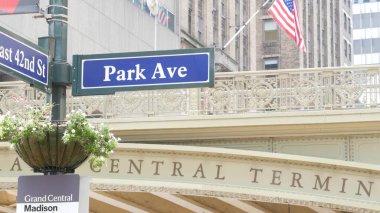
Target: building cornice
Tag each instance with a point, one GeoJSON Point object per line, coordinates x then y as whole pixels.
{"type": "Point", "coordinates": [273, 124]}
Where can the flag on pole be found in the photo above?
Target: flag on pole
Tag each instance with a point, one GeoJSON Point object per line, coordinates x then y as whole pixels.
{"type": "Point", "coordinates": [153, 6]}
{"type": "Point", "coordinates": [284, 12]}
{"type": "Point", "coordinates": [163, 16]}
{"type": "Point", "coordinates": [8, 7]}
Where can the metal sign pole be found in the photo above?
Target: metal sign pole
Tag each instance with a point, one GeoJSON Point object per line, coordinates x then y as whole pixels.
{"type": "Point", "coordinates": [60, 67]}
{"type": "Point", "coordinates": [245, 24]}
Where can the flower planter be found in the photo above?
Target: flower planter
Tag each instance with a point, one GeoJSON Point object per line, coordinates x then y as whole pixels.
{"type": "Point", "coordinates": [53, 147]}
{"type": "Point", "coordinates": [49, 154]}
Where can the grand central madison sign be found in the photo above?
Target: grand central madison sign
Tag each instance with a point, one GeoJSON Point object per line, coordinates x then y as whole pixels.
{"type": "Point", "coordinates": [48, 193]}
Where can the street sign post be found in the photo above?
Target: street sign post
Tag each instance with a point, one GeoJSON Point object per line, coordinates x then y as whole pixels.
{"type": "Point", "coordinates": [24, 60]}
{"type": "Point", "coordinates": [108, 73]}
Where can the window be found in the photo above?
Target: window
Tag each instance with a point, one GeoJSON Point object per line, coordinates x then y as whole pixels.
{"type": "Point", "coordinates": [376, 45]}
{"type": "Point", "coordinates": [215, 14]}
{"type": "Point", "coordinates": [237, 13]}
{"type": "Point", "coordinates": [349, 52]}
{"type": "Point", "coordinates": [237, 26]}
{"type": "Point", "coordinates": [224, 9]}
{"type": "Point", "coordinates": [271, 63]}
{"type": "Point", "coordinates": [345, 48]}
{"type": "Point", "coordinates": [245, 10]}
{"type": "Point", "coordinates": [200, 20]}
{"type": "Point", "coordinates": [366, 20]}
{"type": "Point", "coordinates": [190, 16]}
{"type": "Point", "coordinates": [349, 25]}
{"type": "Point", "coordinates": [237, 49]}
{"type": "Point", "coordinates": [366, 46]}
{"type": "Point", "coordinates": [245, 51]}
{"type": "Point", "coordinates": [356, 20]}
{"type": "Point", "coordinates": [375, 17]}
{"type": "Point", "coordinates": [345, 21]}
{"type": "Point", "coordinates": [270, 30]}
{"type": "Point", "coordinates": [171, 21]}
{"type": "Point", "coordinates": [224, 22]}
{"type": "Point", "coordinates": [357, 46]}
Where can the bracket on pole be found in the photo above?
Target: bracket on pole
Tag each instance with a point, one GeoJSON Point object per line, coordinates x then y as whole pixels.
{"type": "Point", "coordinates": [245, 24]}
{"type": "Point", "coordinates": [53, 17]}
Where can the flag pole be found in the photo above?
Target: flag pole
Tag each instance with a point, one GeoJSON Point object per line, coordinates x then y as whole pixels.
{"type": "Point", "coordinates": [245, 24]}
{"type": "Point", "coordinates": [153, 6]}
{"type": "Point", "coordinates": [155, 32]}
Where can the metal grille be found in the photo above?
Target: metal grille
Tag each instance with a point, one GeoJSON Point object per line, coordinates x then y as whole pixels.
{"type": "Point", "coordinates": [234, 93]}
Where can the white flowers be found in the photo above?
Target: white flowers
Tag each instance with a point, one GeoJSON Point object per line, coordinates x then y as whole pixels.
{"type": "Point", "coordinates": [28, 121]}
{"type": "Point", "coordinates": [96, 141]}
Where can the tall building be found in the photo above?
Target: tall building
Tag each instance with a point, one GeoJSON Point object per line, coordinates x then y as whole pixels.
{"type": "Point", "coordinates": [213, 23]}
{"type": "Point", "coordinates": [366, 16]}
{"type": "Point", "coordinates": [262, 44]}
{"type": "Point", "coordinates": [95, 26]}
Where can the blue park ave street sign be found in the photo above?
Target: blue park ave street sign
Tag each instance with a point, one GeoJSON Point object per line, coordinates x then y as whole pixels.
{"type": "Point", "coordinates": [24, 60]}
{"type": "Point", "coordinates": [108, 73]}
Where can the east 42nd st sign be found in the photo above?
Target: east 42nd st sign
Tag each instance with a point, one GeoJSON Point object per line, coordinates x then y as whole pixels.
{"type": "Point", "coordinates": [24, 60]}
{"type": "Point", "coordinates": [107, 73]}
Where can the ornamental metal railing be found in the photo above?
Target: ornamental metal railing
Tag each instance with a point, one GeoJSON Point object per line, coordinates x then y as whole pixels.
{"type": "Point", "coordinates": [234, 93]}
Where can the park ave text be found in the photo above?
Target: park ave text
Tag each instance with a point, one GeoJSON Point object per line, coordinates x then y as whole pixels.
{"type": "Point", "coordinates": [106, 74]}
{"type": "Point", "coordinates": [111, 73]}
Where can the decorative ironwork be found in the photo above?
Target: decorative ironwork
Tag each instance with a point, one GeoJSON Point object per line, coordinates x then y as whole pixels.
{"type": "Point", "coordinates": [234, 93]}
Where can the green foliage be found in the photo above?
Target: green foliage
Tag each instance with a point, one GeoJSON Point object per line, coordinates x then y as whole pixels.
{"type": "Point", "coordinates": [97, 141]}
{"type": "Point", "coordinates": [32, 121]}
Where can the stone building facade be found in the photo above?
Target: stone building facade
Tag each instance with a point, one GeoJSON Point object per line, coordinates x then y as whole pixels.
{"type": "Point", "coordinates": [262, 44]}
{"type": "Point", "coordinates": [366, 33]}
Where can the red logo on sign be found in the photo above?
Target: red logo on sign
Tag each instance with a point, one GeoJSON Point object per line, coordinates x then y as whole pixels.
{"type": "Point", "coordinates": [9, 6]}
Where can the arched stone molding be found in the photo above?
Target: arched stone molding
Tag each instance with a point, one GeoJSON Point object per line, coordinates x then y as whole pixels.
{"type": "Point", "coordinates": [215, 172]}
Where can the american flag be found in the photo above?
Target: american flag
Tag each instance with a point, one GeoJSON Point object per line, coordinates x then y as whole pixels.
{"type": "Point", "coordinates": [163, 16]}
{"type": "Point", "coordinates": [284, 12]}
